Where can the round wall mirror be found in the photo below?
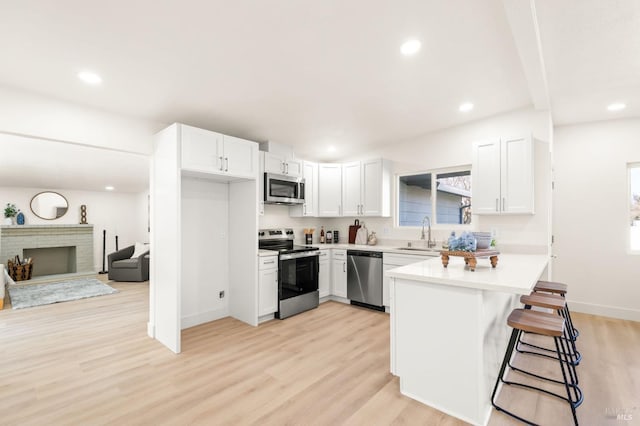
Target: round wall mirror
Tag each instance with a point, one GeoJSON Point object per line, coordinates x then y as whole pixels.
{"type": "Point", "coordinates": [49, 205]}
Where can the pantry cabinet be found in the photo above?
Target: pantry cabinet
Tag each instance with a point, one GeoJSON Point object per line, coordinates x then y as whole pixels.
{"type": "Point", "coordinates": [503, 176]}
{"type": "Point", "coordinates": [210, 152]}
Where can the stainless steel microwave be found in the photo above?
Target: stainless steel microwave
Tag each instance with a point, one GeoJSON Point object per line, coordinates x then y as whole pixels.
{"type": "Point", "coordinates": [283, 189]}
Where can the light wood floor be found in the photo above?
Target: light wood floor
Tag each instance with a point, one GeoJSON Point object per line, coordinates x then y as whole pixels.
{"type": "Point", "coordinates": [91, 362]}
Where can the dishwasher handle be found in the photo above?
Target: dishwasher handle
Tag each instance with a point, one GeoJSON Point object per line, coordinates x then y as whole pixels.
{"type": "Point", "coordinates": [364, 253]}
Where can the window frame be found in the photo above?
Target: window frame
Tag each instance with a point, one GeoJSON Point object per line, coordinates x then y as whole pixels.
{"type": "Point", "coordinates": [434, 199]}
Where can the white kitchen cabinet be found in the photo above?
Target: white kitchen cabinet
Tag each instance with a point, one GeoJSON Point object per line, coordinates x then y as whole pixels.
{"type": "Point", "coordinates": [324, 275]}
{"type": "Point", "coordinates": [198, 216]}
{"type": "Point", "coordinates": [391, 261]}
{"type": "Point", "coordinates": [329, 190]}
{"type": "Point", "coordinates": [274, 163]}
{"type": "Point", "coordinates": [267, 285]}
{"type": "Point", "coordinates": [502, 176]}
{"type": "Point", "coordinates": [366, 188]}
{"type": "Point", "coordinates": [204, 151]}
{"type": "Point", "coordinates": [339, 273]}
{"type": "Point", "coordinates": [310, 206]}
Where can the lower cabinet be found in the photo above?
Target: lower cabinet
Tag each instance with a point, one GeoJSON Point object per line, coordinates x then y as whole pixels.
{"type": "Point", "coordinates": [339, 273]}
{"type": "Point", "coordinates": [267, 285]}
{"type": "Point", "coordinates": [324, 276]}
{"type": "Point", "coordinates": [391, 261]}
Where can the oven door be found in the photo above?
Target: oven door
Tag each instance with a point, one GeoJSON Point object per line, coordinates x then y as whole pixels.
{"type": "Point", "coordinates": [297, 283]}
{"type": "Point", "coordinates": [281, 189]}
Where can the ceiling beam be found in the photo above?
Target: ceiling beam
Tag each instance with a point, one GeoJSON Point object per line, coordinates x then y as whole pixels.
{"type": "Point", "coordinates": [523, 21]}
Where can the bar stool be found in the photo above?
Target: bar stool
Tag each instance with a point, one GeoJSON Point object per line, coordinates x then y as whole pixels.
{"type": "Point", "coordinates": [548, 325]}
{"type": "Point", "coordinates": [561, 290]}
{"type": "Point", "coordinates": [558, 304]}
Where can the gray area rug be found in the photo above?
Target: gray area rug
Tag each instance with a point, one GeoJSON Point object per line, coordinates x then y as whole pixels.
{"type": "Point", "coordinates": [27, 296]}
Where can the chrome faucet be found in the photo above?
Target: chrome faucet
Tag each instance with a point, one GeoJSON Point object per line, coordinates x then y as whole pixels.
{"type": "Point", "coordinates": [422, 236]}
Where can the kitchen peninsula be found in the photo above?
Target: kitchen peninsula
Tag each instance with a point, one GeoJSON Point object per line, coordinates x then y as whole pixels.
{"type": "Point", "coordinates": [449, 330]}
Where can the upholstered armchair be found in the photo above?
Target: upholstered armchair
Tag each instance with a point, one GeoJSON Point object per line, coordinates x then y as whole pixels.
{"type": "Point", "coordinates": [123, 267]}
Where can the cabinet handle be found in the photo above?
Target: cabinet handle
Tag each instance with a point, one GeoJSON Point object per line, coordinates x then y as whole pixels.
{"type": "Point", "coordinates": [271, 261]}
{"type": "Point", "coordinates": [286, 167]}
{"type": "Point", "coordinates": [344, 266]}
{"type": "Point", "coordinates": [226, 168]}
{"type": "Point", "coordinates": [304, 209]}
{"type": "Point", "coordinates": [503, 204]}
{"type": "Point", "coordinates": [221, 163]}
{"type": "Point", "coordinates": [497, 205]}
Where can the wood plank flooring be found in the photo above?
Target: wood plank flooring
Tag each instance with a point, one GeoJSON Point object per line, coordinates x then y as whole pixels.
{"type": "Point", "coordinates": [91, 362]}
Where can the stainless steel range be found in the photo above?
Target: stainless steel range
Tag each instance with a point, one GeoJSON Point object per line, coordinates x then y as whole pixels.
{"type": "Point", "coordinates": [298, 268]}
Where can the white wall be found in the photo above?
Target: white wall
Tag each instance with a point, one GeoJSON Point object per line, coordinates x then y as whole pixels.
{"type": "Point", "coordinates": [121, 214]}
{"type": "Point", "coordinates": [591, 219]}
{"type": "Point", "coordinates": [28, 114]}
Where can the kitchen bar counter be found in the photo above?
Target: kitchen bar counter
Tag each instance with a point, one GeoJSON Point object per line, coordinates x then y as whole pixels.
{"type": "Point", "coordinates": [449, 331]}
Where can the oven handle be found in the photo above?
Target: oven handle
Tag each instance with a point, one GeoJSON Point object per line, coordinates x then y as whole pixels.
{"type": "Point", "coordinates": [298, 255]}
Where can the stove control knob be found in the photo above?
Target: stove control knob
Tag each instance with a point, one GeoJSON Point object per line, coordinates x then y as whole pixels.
{"type": "Point", "coordinates": [289, 232]}
{"type": "Point", "coordinates": [261, 234]}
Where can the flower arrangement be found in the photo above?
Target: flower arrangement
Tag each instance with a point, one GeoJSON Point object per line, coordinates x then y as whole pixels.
{"type": "Point", "coordinates": [465, 242]}
{"type": "Point", "coordinates": [11, 210]}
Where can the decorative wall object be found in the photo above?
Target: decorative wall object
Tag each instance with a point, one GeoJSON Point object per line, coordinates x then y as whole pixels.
{"type": "Point", "coordinates": [20, 218]}
{"type": "Point", "coordinates": [49, 205]}
{"type": "Point", "coordinates": [83, 214]}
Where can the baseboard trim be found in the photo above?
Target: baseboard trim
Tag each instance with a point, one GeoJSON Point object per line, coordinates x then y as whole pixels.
{"type": "Point", "coordinates": [201, 318]}
{"type": "Point", "coordinates": [605, 311]}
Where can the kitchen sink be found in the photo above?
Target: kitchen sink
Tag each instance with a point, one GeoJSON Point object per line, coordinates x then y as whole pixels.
{"type": "Point", "coordinates": [431, 250]}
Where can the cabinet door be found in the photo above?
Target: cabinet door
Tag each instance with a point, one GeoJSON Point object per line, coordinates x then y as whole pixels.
{"type": "Point", "coordinates": [324, 279]}
{"type": "Point", "coordinates": [517, 176]}
{"type": "Point", "coordinates": [351, 175]}
{"type": "Point", "coordinates": [339, 275]}
{"type": "Point", "coordinates": [310, 174]}
{"type": "Point", "coordinates": [241, 157]}
{"type": "Point", "coordinates": [329, 190]}
{"type": "Point", "coordinates": [485, 177]}
{"type": "Point", "coordinates": [268, 292]}
{"type": "Point", "coordinates": [273, 163]}
{"type": "Point", "coordinates": [201, 150]}
{"type": "Point", "coordinates": [293, 168]}
{"type": "Point", "coordinates": [376, 188]}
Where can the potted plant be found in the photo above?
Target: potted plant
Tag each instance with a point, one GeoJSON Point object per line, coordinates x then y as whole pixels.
{"type": "Point", "coordinates": [10, 211]}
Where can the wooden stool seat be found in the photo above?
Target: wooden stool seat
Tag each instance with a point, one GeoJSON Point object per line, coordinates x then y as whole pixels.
{"type": "Point", "coordinates": [536, 322]}
{"type": "Point", "coordinates": [551, 287]}
{"type": "Point", "coordinates": [544, 300]}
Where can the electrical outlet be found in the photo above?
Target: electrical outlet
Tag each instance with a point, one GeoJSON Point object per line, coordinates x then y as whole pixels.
{"type": "Point", "coordinates": [221, 294]}
{"type": "Point", "coordinates": [385, 231]}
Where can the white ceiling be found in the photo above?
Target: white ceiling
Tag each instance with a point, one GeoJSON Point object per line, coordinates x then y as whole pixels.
{"type": "Point", "coordinates": [313, 74]}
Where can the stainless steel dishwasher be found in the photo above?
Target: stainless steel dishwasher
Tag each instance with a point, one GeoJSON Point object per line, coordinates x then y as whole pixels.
{"type": "Point", "coordinates": [364, 278]}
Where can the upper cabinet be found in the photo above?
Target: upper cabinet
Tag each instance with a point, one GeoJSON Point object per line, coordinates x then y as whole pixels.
{"type": "Point", "coordinates": [329, 189]}
{"type": "Point", "coordinates": [366, 188]}
{"type": "Point", "coordinates": [310, 206]}
{"type": "Point", "coordinates": [209, 152]}
{"type": "Point", "coordinates": [502, 176]}
{"type": "Point", "coordinates": [274, 163]}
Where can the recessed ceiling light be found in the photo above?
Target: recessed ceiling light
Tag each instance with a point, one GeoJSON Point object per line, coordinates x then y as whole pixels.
{"type": "Point", "coordinates": [410, 47]}
{"type": "Point", "coordinates": [617, 106]}
{"type": "Point", "coordinates": [465, 107]}
{"type": "Point", "coordinates": [109, 188]}
{"type": "Point", "coordinates": [331, 148]}
{"type": "Point", "coordinates": [89, 77]}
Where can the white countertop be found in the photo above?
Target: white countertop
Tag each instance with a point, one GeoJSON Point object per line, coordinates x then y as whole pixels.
{"type": "Point", "coordinates": [515, 273]}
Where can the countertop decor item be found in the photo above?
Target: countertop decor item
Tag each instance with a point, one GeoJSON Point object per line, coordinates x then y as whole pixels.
{"type": "Point", "coordinates": [373, 239]}
{"type": "Point", "coordinates": [353, 230]}
{"type": "Point", "coordinates": [471, 257]}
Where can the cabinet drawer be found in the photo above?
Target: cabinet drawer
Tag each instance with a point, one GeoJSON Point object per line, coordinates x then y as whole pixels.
{"type": "Point", "coordinates": [268, 262]}
{"type": "Point", "coordinates": [324, 254]}
{"type": "Point", "coordinates": [339, 254]}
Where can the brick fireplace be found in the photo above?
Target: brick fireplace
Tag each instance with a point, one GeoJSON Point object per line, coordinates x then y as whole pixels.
{"type": "Point", "coordinates": [55, 249]}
